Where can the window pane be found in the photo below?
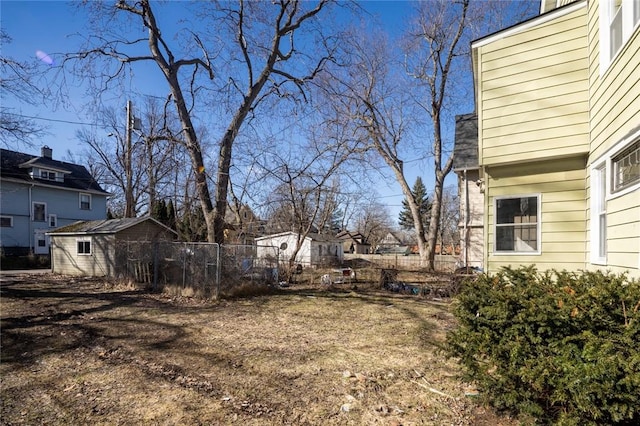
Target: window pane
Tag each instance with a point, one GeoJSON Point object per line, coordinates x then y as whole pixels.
{"type": "Point", "coordinates": [504, 239]}
{"type": "Point", "coordinates": [6, 222]}
{"type": "Point", "coordinates": [602, 243]}
{"type": "Point", "coordinates": [85, 201]}
{"type": "Point", "coordinates": [84, 247]}
{"type": "Point", "coordinates": [517, 224]}
{"type": "Point", "coordinates": [626, 167]}
{"type": "Point", "coordinates": [615, 30]}
{"type": "Point", "coordinates": [38, 212]}
{"type": "Point", "coordinates": [517, 210]}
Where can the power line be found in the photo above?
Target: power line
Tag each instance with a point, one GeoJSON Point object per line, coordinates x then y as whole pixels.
{"type": "Point", "coordinates": [57, 120]}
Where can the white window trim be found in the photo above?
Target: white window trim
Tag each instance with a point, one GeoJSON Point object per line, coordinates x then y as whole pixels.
{"type": "Point", "coordinates": [82, 240]}
{"type": "Point", "coordinates": [538, 252]}
{"type": "Point", "coordinates": [33, 215]}
{"type": "Point", "coordinates": [10, 220]}
{"type": "Point", "coordinates": [80, 201]}
{"type": "Point", "coordinates": [55, 220]}
{"type": "Point", "coordinates": [620, 146]}
{"type": "Point", "coordinates": [628, 28]}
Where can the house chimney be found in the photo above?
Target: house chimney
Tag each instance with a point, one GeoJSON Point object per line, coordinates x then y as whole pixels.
{"type": "Point", "coordinates": [46, 152]}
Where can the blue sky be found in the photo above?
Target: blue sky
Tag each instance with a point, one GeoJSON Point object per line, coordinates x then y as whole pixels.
{"type": "Point", "coordinates": [48, 26]}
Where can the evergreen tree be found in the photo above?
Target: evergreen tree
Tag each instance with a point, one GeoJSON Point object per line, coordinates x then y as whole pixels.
{"type": "Point", "coordinates": [419, 191]}
{"type": "Point", "coordinates": [171, 215]}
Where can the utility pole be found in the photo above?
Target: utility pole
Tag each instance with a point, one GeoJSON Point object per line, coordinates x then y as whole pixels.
{"type": "Point", "coordinates": [128, 196]}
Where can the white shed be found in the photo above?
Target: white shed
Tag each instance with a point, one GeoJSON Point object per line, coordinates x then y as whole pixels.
{"type": "Point", "coordinates": [316, 249]}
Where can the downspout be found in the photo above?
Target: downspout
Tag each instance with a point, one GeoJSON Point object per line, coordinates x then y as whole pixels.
{"type": "Point", "coordinates": [30, 216]}
{"type": "Point", "coordinates": [466, 218]}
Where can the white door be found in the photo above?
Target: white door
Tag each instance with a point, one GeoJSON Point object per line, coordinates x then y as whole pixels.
{"type": "Point", "coordinates": [40, 242]}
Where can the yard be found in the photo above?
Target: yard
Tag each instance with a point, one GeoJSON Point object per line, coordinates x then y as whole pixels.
{"type": "Point", "coordinates": [82, 351]}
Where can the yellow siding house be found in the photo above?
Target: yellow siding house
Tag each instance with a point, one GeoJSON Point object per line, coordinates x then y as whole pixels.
{"type": "Point", "coordinates": [558, 110]}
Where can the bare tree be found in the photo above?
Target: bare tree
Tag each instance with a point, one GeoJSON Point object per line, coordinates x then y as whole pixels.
{"type": "Point", "coordinates": [266, 37]}
{"type": "Point", "coordinates": [17, 81]}
{"type": "Point", "coordinates": [373, 221]}
{"type": "Point", "coordinates": [142, 170]}
{"type": "Point", "coordinates": [306, 187]}
{"type": "Point", "coordinates": [373, 101]}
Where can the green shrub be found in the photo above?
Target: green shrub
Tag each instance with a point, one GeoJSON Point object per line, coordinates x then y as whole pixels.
{"type": "Point", "coordinates": [561, 347]}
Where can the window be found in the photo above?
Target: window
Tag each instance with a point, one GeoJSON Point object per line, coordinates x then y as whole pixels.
{"type": "Point", "coordinates": [6, 221]}
{"type": "Point", "coordinates": [84, 246]}
{"type": "Point", "coordinates": [599, 214]}
{"type": "Point", "coordinates": [44, 174]}
{"type": "Point", "coordinates": [517, 225]}
{"type": "Point", "coordinates": [39, 210]}
{"type": "Point", "coordinates": [626, 167]}
{"type": "Point", "coordinates": [53, 220]}
{"type": "Point", "coordinates": [85, 201]}
{"type": "Point", "coordinates": [618, 20]}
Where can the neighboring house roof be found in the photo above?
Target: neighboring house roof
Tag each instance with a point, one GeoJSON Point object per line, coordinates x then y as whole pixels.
{"type": "Point", "coordinates": [354, 236]}
{"type": "Point", "coordinates": [465, 150]}
{"type": "Point", "coordinates": [16, 167]}
{"type": "Point", "coordinates": [108, 226]}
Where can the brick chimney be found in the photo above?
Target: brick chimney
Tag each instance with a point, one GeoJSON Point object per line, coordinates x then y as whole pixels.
{"type": "Point", "coordinates": [46, 152]}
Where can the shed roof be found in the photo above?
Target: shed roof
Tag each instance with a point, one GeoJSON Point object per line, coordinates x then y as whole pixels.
{"type": "Point", "coordinates": [107, 226]}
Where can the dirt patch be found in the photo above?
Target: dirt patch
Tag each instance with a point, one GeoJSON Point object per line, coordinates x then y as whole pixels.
{"type": "Point", "coordinates": [80, 351]}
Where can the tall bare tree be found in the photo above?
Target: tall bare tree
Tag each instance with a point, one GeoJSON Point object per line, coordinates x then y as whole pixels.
{"type": "Point", "coordinates": [436, 44]}
{"type": "Point", "coordinates": [265, 36]}
{"type": "Point", "coordinates": [373, 100]}
{"type": "Point", "coordinates": [17, 81]}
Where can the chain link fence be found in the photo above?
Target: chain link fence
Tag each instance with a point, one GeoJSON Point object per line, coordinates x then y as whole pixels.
{"type": "Point", "coordinates": [203, 269]}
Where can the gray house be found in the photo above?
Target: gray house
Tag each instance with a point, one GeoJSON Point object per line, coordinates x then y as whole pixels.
{"type": "Point", "coordinates": [97, 248]}
{"type": "Point", "coordinates": [471, 190]}
{"type": "Point", "coordinates": [39, 194]}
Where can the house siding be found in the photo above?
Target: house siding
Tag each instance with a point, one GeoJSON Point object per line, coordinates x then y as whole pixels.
{"type": "Point", "coordinates": [533, 98]}
{"type": "Point", "coordinates": [615, 112]}
{"type": "Point", "coordinates": [471, 208]}
{"type": "Point", "coordinates": [16, 200]}
{"type": "Point", "coordinates": [561, 186]}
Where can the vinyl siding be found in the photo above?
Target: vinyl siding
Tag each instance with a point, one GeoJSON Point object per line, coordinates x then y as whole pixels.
{"type": "Point", "coordinates": [533, 93]}
{"type": "Point", "coordinates": [561, 186]}
{"type": "Point", "coordinates": [66, 261]}
{"type": "Point", "coordinates": [615, 112]}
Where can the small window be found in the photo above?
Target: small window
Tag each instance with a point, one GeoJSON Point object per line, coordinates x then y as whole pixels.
{"type": "Point", "coordinates": [615, 26]}
{"type": "Point", "coordinates": [6, 221]}
{"type": "Point", "coordinates": [53, 220]}
{"type": "Point", "coordinates": [626, 167]}
{"type": "Point", "coordinates": [85, 201]}
{"type": "Point", "coordinates": [84, 246]}
{"type": "Point", "coordinates": [599, 214]}
{"type": "Point", "coordinates": [516, 225]}
{"type": "Point", "coordinates": [39, 212]}
{"type": "Point", "coordinates": [44, 174]}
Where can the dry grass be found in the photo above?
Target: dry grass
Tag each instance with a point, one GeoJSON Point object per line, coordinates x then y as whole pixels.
{"type": "Point", "coordinates": [78, 351]}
